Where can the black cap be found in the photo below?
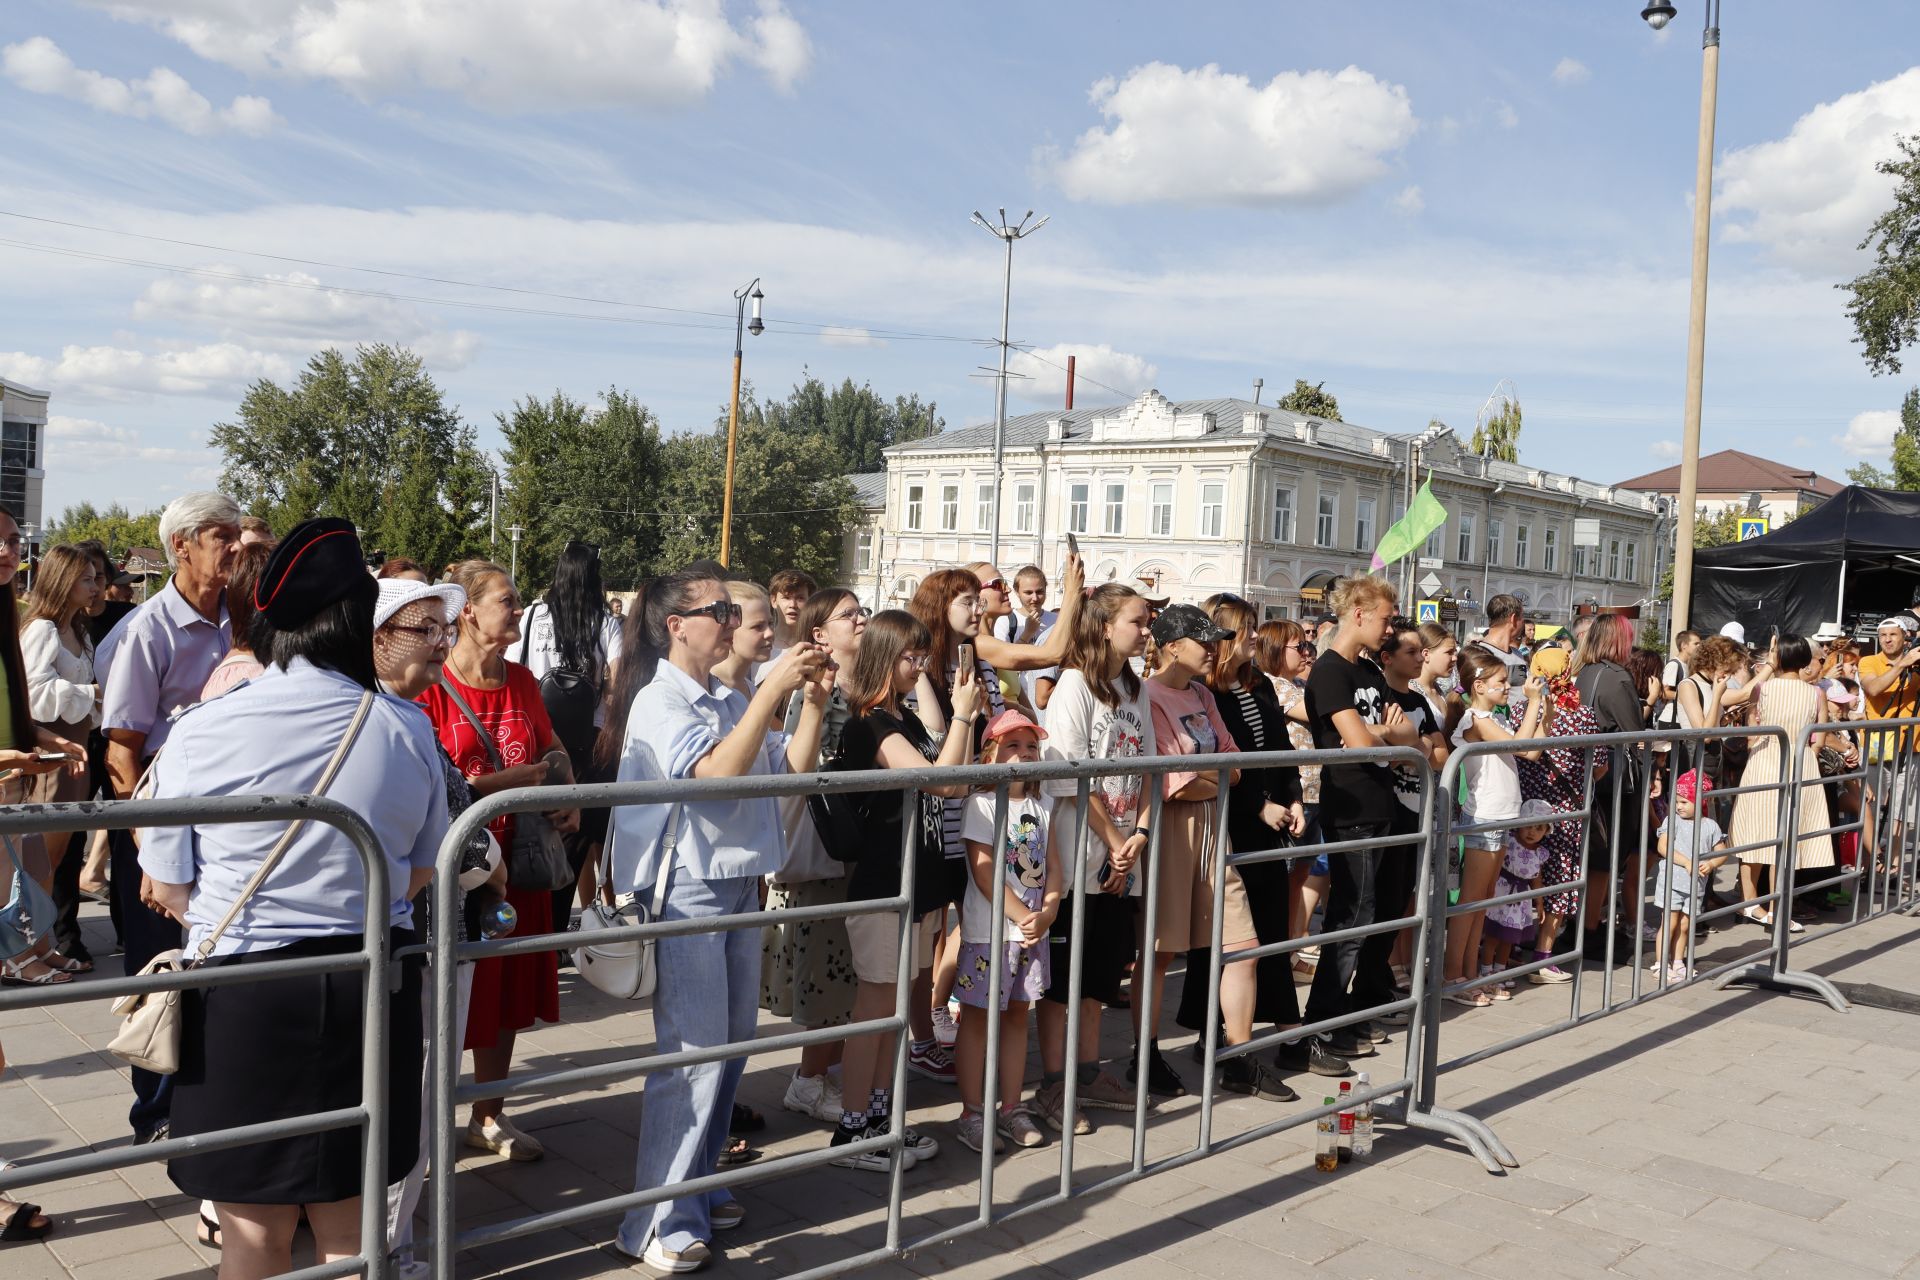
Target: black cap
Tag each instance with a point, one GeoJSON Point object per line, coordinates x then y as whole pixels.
{"type": "Point", "coordinates": [316, 565]}
{"type": "Point", "coordinates": [1187, 622]}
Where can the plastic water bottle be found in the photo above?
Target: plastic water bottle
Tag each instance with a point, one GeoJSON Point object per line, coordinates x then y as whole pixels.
{"type": "Point", "coordinates": [498, 919]}
{"type": "Point", "coordinates": [1326, 1142]}
{"type": "Point", "coordinates": [1362, 1122]}
{"type": "Point", "coordinates": [1345, 1152]}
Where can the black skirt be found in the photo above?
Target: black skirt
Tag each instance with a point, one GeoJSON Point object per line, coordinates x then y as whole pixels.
{"type": "Point", "coordinates": [273, 1050]}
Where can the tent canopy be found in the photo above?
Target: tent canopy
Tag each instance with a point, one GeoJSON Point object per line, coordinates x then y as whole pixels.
{"type": "Point", "coordinates": [1857, 553]}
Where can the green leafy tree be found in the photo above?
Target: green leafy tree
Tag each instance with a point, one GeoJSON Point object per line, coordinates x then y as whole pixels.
{"type": "Point", "coordinates": [358, 438]}
{"type": "Point", "coordinates": [118, 529]}
{"type": "Point", "coordinates": [1718, 530]}
{"type": "Point", "coordinates": [1904, 472]}
{"type": "Point", "coordinates": [1311, 399]}
{"type": "Point", "coordinates": [594, 473]}
{"type": "Point", "coordinates": [1884, 301]}
{"type": "Point", "coordinates": [1499, 436]}
{"type": "Point", "coordinates": [857, 423]}
{"type": "Point", "coordinates": [1869, 475]}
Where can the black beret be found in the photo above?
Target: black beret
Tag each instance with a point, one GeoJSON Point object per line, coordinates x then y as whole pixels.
{"type": "Point", "coordinates": [317, 564]}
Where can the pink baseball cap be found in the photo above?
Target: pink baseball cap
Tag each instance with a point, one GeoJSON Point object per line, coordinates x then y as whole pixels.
{"type": "Point", "coordinates": [1008, 721]}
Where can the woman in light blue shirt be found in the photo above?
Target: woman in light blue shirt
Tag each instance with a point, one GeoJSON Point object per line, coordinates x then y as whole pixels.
{"type": "Point", "coordinates": [674, 720]}
{"type": "Point", "coordinates": [260, 1051]}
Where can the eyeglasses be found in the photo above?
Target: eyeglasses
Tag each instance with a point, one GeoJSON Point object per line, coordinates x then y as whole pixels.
{"type": "Point", "coordinates": [1305, 650]}
{"type": "Point", "coordinates": [434, 633]}
{"type": "Point", "coordinates": [998, 584]}
{"type": "Point", "coordinates": [859, 613]}
{"type": "Point", "coordinates": [723, 612]}
{"type": "Point", "coordinates": [919, 660]}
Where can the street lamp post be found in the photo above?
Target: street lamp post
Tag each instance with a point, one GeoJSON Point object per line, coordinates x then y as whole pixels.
{"type": "Point", "coordinates": [740, 329]}
{"type": "Point", "coordinates": [513, 570]}
{"type": "Point", "coordinates": [1009, 233]}
{"type": "Point", "coordinates": [1657, 15]}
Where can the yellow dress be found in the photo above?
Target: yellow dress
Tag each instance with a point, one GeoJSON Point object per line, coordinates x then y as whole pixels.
{"type": "Point", "coordinates": [1791, 705]}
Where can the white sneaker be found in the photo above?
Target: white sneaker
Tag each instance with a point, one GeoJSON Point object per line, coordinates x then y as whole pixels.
{"type": "Point", "coordinates": [816, 1096]}
{"type": "Point", "coordinates": [945, 1030]}
{"type": "Point", "coordinates": [500, 1136]}
{"type": "Point", "coordinates": [661, 1258]}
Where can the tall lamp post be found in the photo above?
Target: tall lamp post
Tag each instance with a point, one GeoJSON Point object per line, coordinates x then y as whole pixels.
{"type": "Point", "coordinates": [741, 328]}
{"type": "Point", "coordinates": [1657, 15]}
{"type": "Point", "coordinates": [1008, 232]}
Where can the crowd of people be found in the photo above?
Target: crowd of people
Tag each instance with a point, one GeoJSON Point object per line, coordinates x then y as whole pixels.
{"type": "Point", "coordinates": [287, 665]}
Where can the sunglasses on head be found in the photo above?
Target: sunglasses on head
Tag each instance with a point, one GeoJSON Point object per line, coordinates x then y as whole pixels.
{"type": "Point", "coordinates": [724, 612]}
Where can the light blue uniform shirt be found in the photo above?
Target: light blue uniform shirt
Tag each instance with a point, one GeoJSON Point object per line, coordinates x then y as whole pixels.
{"type": "Point", "coordinates": [156, 662]}
{"type": "Point", "coordinates": [274, 735]}
{"type": "Point", "coordinates": [673, 723]}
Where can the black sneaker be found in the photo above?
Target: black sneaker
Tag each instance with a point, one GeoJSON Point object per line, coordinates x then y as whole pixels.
{"type": "Point", "coordinates": [1312, 1055]}
{"type": "Point", "coordinates": [1162, 1080]}
{"type": "Point", "coordinates": [1348, 1045]}
{"type": "Point", "coordinates": [1254, 1078]}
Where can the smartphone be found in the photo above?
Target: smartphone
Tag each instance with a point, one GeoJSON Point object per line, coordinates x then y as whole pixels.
{"type": "Point", "coordinates": [61, 756]}
{"type": "Point", "coordinates": [1073, 544]}
{"type": "Point", "coordinates": [966, 658]}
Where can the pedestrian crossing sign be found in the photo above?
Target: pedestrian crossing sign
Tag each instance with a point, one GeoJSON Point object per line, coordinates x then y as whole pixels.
{"type": "Point", "coordinates": [1427, 611]}
{"type": "Point", "coordinates": [1753, 527]}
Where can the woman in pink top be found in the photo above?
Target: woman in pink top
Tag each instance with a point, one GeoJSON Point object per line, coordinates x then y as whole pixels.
{"type": "Point", "coordinates": [239, 666]}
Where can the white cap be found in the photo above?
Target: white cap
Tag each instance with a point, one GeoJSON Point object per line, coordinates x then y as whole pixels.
{"type": "Point", "coordinates": [1734, 632]}
{"type": "Point", "coordinates": [397, 593]}
{"type": "Point", "coordinates": [1829, 631]}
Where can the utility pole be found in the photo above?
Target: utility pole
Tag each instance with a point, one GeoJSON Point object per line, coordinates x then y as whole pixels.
{"type": "Point", "coordinates": [1009, 233]}
{"type": "Point", "coordinates": [513, 570]}
{"type": "Point", "coordinates": [740, 328]}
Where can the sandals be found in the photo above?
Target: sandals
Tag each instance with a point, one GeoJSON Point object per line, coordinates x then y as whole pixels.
{"type": "Point", "coordinates": [25, 1223]}
{"type": "Point", "coordinates": [66, 964]}
{"type": "Point", "coordinates": [208, 1232]}
{"type": "Point", "coordinates": [737, 1152]}
{"type": "Point", "coordinates": [1475, 999]}
{"type": "Point", "coordinates": [13, 973]}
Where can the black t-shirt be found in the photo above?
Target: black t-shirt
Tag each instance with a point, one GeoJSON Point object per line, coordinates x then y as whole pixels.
{"type": "Point", "coordinates": [1406, 778]}
{"type": "Point", "coordinates": [1350, 794]}
{"type": "Point", "coordinates": [876, 873]}
{"type": "Point", "coordinates": [111, 614]}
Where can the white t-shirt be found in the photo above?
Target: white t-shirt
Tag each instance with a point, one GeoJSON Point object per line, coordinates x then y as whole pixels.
{"type": "Point", "coordinates": [1672, 676]}
{"type": "Point", "coordinates": [540, 653]}
{"type": "Point", "coordinates": [1081, 727]}
{"type": "Point", "coordinates": [1493, 781]}
{"type": "Point", "coordinates": [1025, 849]}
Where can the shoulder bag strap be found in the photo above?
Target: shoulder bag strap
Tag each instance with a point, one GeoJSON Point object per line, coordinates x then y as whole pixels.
{"type": "Point", "coordinates": [480, 730]}
{"type": "Point", "coordinates": [279, 850]}
{"type": "Point", "coordinates": [667, 843]}
{"type": "Point", "coordinates": [526, 632]}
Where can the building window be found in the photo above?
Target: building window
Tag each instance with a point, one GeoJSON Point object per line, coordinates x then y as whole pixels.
{"type": "Point", "coordinates": [1213, 509]}
{"type": "Point", "coordinates": [1548, 550]}
{"type": "Point", "coordinates": [983, 507]}
{"type": "Point", "coordinates": [1579, 559]}
{"type": "Point", "coordinates": [863, 550]}
{"type": "Point", "coordinates": [1633, 569]}
{"type": "Point", "coordinates": [1363, 525]}
{"type": "Point", "coordinates": [1160, 511]}
{"type": "Point", "coordinates": [1326, 519]}
{"type": "Point", "coordinates": [1520, 547]}
{"type": "Point", "coordinates": [949, 508]}
{"type": "Point", "coordinates": [1282, 514]}
{"type": "Point", "coordinates": [1023, 508]}
{"type": "Point", "coordinates": [1077, 508]}
{"type": "Point", "coordinates": [1613, 559]}
{"type": "Point", "coordinates": [915, 496]}
{"type": "Point", "coordinates": [1465, 546]}
{"type": "Point", "coordinates": [1494, 530]}
{"type": "Point", "coordinates": [1114, 517]}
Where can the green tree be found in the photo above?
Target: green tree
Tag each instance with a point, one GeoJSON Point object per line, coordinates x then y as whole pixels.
{"type": "Point", "coordinates": [1869, 475]}
{"type": "Point", "coordinates": [1884, 301]}
{"type": "Point", "coordinates": [356, 439]}
{"type": "Point", "coordinates": [1904, 471]}
{"type": "Point", "coordinates": [857, 423]}
{"type": "Point", "coordinates": [118, 529]}
{"type": "Point", "coordinates": [589, 472]}
{"type": "Point", "coordinates": [1311, 399]}
{"type": "Point", "coordinates": [1721, 529]}
{"type": "Point", "coordinates": [1499, 436]}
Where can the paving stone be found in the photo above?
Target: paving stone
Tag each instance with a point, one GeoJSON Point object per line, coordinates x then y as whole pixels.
{"type": "Point", "coordinates": [1781, 1197]}
{"type": "Point", "coordinates": [1372, 1260]}
{"type": "Point", "coordinates": [1689, 1238]}
{"type": "Point", "coordinates": [1535, 1229]}
{"type": "Point", "coordinates": [1846, 1240]}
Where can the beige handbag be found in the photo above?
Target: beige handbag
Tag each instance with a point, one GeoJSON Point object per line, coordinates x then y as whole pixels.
{"type": "Point", "coordinates": [149, 1035]}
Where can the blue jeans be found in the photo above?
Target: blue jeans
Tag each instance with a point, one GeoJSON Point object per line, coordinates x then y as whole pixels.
{"type": "Point", "coordinates": [707, 993]}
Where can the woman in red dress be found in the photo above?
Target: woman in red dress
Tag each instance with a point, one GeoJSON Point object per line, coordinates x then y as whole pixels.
{"type": "Point", "coordinates": [510, 994]}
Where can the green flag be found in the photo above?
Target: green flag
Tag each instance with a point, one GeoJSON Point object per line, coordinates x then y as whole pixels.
{"type": "Point", "coordinates": [1422, 518]}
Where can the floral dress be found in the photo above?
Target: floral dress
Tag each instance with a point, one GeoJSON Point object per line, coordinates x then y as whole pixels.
{"type": "Point", "coordinates": [1557, 778]}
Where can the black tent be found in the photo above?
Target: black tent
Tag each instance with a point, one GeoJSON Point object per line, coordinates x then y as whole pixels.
{"type": "Point", "coordinates": [1853, 559]}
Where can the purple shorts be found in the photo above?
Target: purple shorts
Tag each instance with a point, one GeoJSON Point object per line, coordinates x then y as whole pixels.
{"type": "Point", "coordinates": [1025, 979]}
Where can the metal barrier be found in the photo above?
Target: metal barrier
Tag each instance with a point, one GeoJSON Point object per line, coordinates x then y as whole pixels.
{"type": "Point", "coordinates": [1885, 879]}
{"type": "Point", "coordinates": [372, 959]}
{"type": "Point", "coordinates": [448, 1091]}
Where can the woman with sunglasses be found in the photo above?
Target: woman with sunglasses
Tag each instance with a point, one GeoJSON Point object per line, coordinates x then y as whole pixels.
{"type": "Point", "coordinates": [681, 723]}
{"type": "Point", "coordinates": [520, 749]}
{"type": "Point", "coordinates": [1284, 654]}
{"type": "Point", "coordinates": [806, 970]}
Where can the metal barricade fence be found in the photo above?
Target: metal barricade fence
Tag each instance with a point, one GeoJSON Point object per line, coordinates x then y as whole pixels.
{"type": "Point", "coordinates": [1389, 1096]}
{"type": "Point", "coordinates": [370, 1117]}
{"type": "Point", "coordinates": [1884, 878]}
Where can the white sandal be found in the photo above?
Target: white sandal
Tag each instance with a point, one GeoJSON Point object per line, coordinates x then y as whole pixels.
{"type": "Point", "coordinates": [13, 973]}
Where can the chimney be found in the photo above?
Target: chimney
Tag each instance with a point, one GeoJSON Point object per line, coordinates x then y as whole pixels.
{"type": "Point", "coordinates": [1257, 384]}
{"type": "Point", "coordinates": [1253, 422]}
{"type": "Point", "coordinates": [1070, 363]}
{"type": "Point", "coordinates": [1056, 430]}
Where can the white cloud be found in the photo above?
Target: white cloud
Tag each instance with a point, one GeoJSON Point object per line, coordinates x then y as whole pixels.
{"type": "Point", "coordinates": [836, 336]}
{"type": "Point", "coordinates": [108, 373]}
{"type": "Point", "coordinates": [1044, 372]}
{"type": "Point", "coordinates": [1666, 450]}
{"type": "Point", "coordinates": [38, 65]}
{"type": "Point", "coordinates": [83, 442]}
{"type": "Point", "coordinates": [506, 55]}
{"type": "Point", "coordinates": [1409, 201]}
{"type": "Point", "coordinates": [1206, 136]}
{"type": "Point", "coordinates": [296, 313]}
{"type": "Point", "coordinates": [1504, 115]}
{"type": "Point", "coordinates": [1808, 198]}
{"type": "Point", "coordinates": [1870, 434]}
{"type": "Point", "coordinates": [1571, 71]}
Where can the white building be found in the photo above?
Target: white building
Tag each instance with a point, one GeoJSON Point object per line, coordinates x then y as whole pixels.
{"type": "Point", "coordinates": [23, 442]}
{"type": "Point", "coordinates": [1186, 499]}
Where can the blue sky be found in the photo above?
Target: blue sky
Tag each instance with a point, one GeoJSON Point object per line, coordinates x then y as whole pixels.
{"type": "Point", "coordinates": [1407, 204]}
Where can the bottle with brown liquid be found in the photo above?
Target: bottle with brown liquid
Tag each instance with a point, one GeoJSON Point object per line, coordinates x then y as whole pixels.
{"type": "Point", "coordinates": [1326, 1157]}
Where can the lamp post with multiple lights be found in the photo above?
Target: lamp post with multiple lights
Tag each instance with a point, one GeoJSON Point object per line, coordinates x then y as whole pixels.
{"type": "Point", "coordinates": [741, 327]}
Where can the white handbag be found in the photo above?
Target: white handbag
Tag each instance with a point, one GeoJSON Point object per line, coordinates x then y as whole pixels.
{"type": "Point", "coordinates": [624, 968]}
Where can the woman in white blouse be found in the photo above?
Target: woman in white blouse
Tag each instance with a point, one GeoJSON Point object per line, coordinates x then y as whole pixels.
{"type": "Point", "coordinates": [62, 693]}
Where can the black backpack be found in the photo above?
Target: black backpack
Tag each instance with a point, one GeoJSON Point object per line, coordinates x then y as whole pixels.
{"type": "Point", "coordinates": [571, 698]}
